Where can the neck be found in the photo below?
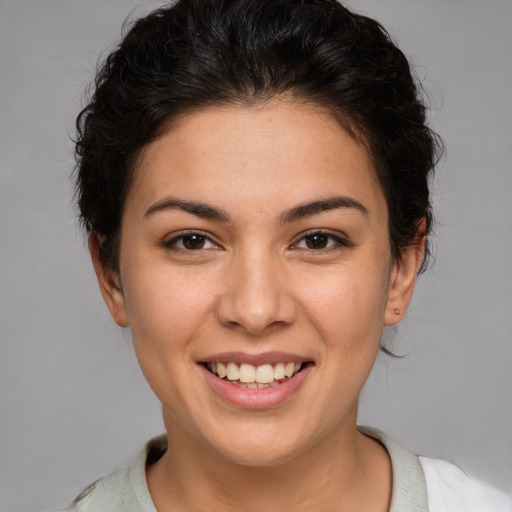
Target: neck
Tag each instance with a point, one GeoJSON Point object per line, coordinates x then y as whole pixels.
{"type": "Point", "coordinates": [348, 469]}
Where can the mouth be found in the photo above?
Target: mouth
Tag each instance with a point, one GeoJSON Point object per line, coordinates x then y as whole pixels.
{"type": "Point", "coordinates": [249, 376]}
{"type": "Point", "coordinates": [256, 381]}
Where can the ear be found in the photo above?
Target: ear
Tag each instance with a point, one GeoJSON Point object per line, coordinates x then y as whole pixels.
{"type": "Point", "coordinates": [403, 279]}
{"type": "Point", "coordinates": [109, 282]}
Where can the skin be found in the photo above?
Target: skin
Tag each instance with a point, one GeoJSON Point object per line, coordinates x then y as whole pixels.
{"type": "Point", "coordinates": [256, 285]}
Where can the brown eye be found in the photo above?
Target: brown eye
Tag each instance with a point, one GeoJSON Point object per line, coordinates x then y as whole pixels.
{"type": "Point", "coordinates": [193, 242]}
{"type": "Point", "coordinates": [190, 242]}
{"type": "Point", "coordinates": [317, 241]}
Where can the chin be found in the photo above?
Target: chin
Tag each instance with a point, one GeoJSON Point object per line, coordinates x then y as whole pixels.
{"type": "Point", "coordinates": [260, 446]}
{"type": "Point", "coordinates": [260, 456]}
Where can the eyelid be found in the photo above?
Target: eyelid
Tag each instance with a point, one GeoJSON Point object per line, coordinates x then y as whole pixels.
{"type": "Point", "coordinates": [340, 239]}
{"type": "Point", "coordinates": [175, 237]}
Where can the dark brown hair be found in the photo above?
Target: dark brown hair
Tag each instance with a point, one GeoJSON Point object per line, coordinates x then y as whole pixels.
{"type": "Point", "coordinates": [198, 53]}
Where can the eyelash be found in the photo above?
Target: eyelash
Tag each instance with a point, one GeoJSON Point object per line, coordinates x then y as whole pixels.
{"type": "Point", "coordinates": [172, 243]}
{"type": "Point", "coordinates": [334, 241]}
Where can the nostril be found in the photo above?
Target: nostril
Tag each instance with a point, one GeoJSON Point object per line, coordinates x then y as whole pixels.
{"type": "Point", "coordinates": [255, 306]}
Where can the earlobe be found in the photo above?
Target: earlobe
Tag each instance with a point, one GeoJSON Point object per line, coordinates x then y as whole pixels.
{"type": "Point", "coordinates": [403, 279]}
{"type": "Point", "coordinates": [109, 283]}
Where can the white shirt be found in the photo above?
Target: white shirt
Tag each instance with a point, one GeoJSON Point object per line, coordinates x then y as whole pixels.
{"type": "Point", "coordinates": [449, 489]}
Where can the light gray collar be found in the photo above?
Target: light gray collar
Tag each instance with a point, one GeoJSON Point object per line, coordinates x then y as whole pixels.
{"type": "Point", "coordinates": [409, 491]}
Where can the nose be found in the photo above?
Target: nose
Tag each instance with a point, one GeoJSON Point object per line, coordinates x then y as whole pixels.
{"type": "Point", "coordinates": [256, 299]}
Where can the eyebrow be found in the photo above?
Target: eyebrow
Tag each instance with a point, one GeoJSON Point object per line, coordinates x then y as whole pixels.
{"type": "Point", "coordinates": [294, 214]}
{"type": "Point", "coordinates": [320, 206]}
{"type": "Point", "coordinates": [198, 209]}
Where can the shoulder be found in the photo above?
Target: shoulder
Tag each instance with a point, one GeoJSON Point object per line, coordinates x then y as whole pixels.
{"type": "Point", "coordinates": [124, 490]}
{"type": "Point", "coordinates": [108, 493]}
{"type": "Point", "coordinates": [450, 489]}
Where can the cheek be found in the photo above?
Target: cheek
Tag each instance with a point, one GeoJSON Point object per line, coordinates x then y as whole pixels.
{"type": "Point", "coordinates": [166, 308]}
{"type": "Point", "coordinates": [167, 313]}
{"type": "Point", "coordinates": [346, 304]}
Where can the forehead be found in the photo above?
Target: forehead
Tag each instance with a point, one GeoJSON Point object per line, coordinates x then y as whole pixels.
{"type": "Point", "coordinates": [279, 151]}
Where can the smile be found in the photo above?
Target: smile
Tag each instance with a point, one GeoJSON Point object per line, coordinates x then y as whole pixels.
{"type": "Point", "coordinates": [255, 381]}
{"type": "Point", "coordinates": [248, 376]}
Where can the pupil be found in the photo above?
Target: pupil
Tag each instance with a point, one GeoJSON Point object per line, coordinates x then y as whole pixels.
{"type": "Point", "coordinates": [193, 242]}
{"type": "Point", "coordinates": [317, 241]}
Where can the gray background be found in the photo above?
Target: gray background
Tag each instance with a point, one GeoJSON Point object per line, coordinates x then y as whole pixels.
{"type": "Point", "coordinates": [73, 404]}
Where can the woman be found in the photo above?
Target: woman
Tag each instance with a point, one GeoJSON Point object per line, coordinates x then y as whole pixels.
{"type": "Point", "coordinates": [253, 177]}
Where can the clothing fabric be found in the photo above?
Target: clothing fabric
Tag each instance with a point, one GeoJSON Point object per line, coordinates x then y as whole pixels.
{"type": "Point", "coordinates": [452, 490]}
{"type": "Point", "coordinates": [419, 484]}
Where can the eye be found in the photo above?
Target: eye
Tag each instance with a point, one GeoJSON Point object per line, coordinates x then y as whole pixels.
{"type": "Point", "coordinates": [320, 241]}
{"type": "Point", "coordinates": [190, 241]}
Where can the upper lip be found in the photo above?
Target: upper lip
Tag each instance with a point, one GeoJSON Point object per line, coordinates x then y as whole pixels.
{"type": "Point", "coordinates": [254, 359]}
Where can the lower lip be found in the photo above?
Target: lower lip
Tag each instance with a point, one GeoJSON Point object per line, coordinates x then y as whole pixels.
{"type": "Point", "coordinates": [247, 398]}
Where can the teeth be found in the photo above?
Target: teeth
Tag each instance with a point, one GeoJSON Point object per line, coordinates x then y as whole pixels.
{"type": "Point", "coordinates": [232, 371]}
{"type": "Point", "coordinates": [247, 373]}
{"type": "Point", "coordinates": [249, 376]}
{"type": "Point", "coordinates": [221, 370]}
{"type": "Point", "coordinates": [279, 371]}
{"type": "Point", "coordinates": [264, 374]}
{"type": "Point", "coordinates": [254, 385]}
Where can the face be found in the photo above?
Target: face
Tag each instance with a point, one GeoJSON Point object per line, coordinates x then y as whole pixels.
{"type": "Point", "coordinates": [256, 277]}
